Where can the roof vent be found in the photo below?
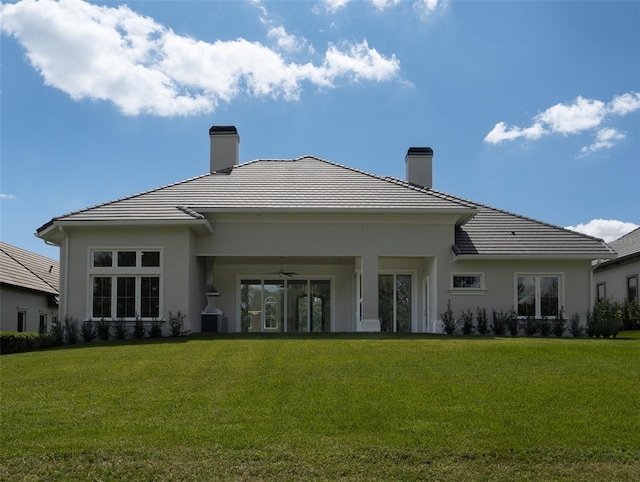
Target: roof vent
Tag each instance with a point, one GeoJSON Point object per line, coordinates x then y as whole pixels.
{"type": "Point", "coordinates": [419, 166]}
{"type": "Point", "coordinates": [224, 147]}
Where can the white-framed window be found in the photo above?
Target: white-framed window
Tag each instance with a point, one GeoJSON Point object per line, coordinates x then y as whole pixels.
{"type": "Point", "coordinates": [125, 283]}
{"type": "Point", "coordinates": [538, 295]}
{"type": "Point", "coordinates": [467, 281]}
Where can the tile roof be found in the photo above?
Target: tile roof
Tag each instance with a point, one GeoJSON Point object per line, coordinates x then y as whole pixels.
{"type": "Point", "coordinates": [22, 268]}
{"type": "Point", "coordinates": [626, 247]}
{"type": "Point", "coordinates": [310, 183]}
{"type": "Point", "coordinates": [495, 232]}
{"type": "Point", "coordinates": [303, 183]}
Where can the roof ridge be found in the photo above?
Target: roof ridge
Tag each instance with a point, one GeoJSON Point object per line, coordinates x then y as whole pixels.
{"type": "Point", "coordinates": [389, 179]}
{"type": "Point", "coordinates": [26, 267]}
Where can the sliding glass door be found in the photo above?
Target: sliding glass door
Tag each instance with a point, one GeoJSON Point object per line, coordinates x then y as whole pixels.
{"type": "Point", "coordinates": [394, 302]}
{"type": "Point", "coordinates": [294, 306]}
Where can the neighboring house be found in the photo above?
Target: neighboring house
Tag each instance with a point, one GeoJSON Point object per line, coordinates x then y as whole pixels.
{"type": "Point", "coordinates": [618, 278]}
{"type": "Point", "coordinates": [28, 290]}
{"type": "Point", "coordinates": [309, 245]}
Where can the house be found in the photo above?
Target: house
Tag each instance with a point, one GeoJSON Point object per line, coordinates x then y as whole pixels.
{"type": "Point", "coordinates": [618, 278]}
{"type": "Point", "coordinates": [28, 290]}
{"type": "Point", "coordinates": [306, 245]}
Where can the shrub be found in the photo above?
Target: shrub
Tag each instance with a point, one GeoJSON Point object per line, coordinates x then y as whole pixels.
{"type": "Point", "coordinates": [605, 319]}
{"type": "Point", "coordinates": [156, 328]}
{"type": "Point", "coordinates": [499, 325]}
{"type": "Point", "coordinates": [138, 328]}
{"type": "Point", "coordinates": [103, 328]}
{"type": "Point", "coordinates": [88, 331]}
{"type": "Point", "coordinates": [466, 319]}
{"type": "Point", "coordinates": [448, 321]}
{"type": "Point", "coordinates": [544, 326]}
{"type": "Point", "coordinates": [176, 323]}
{"type": "Point", "coordinates": [71, 329]}
{"type": "Point", "coordinates": [56, 334]}
{"type": "Point", "coordinates": [558, 323]}
{"type": "Point", "coordinates": [631, 315]}
{"type": "Point", "coordinates": [513, 324]}
{"type": "Point", "coordinates": [14, 342]}
{"type": "Point", "coordinates": [483, 325]}
{"type": "Point", "coordinates": [531, 326]}
{"type": "Point", "coordinates": [120, 329]}
{"type": "Point", "coordinates": [574, 325]}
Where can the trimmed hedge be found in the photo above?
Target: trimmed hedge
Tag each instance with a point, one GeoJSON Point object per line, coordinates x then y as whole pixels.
{"type": "Point", "coordinates": [15, 342]}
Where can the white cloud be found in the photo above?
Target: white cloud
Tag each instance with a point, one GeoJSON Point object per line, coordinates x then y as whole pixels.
{"type": "Point", "coordinates": [384, 4]}
{"type": "Point", "coordinates": [583, 115]}
{"type": "Point", "coordinates": [625, 103]}
{"type": "Point", "coordinates": [422, 7]}
{"type": "Point", "coordinates": [118, 55]}
{"type": "Point", "coordinates": [288, 42]}
{"type": "Point", "coordinates": [7, 196]}
{"type": "Point", "coordinates": [605, 138]}
{"type": "Point", "coordinates": [333, 6]}
{"type": "Point", "coordinates": [425, 7]}
{"type": "Point", "coordinates": [607, 229]}
{"type": "Point", "coordinates": [501, 132]}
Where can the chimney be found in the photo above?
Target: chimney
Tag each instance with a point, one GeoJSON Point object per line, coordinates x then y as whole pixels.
{"type": "Point", "coordinates": [419, 161]}
{"type": "Point", "coordinates": [224, 147]}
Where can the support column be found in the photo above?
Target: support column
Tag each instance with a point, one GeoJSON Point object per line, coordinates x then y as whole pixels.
{"type": "Point", "coordinates": [370, 320]}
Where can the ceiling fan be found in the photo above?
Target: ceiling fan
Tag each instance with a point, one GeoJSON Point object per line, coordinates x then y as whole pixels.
{"type": "Point", "coordinates": [282, 272]}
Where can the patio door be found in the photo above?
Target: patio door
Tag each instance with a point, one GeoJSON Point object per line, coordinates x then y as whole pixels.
{"type": "Point", "coordinates": [394, 302]}
{"type": "Point", "coordinates": [291, 305]}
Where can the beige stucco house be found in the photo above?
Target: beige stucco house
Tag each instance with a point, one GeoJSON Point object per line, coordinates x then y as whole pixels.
{"type": "Point", "coordinates": [618, 278]}
{"type": "Point", "coordinates": [310, 245]}
{"type": "Point", "coordinates": [28, 290]}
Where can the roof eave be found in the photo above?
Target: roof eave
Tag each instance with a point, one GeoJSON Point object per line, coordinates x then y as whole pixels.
{"type": "Point", "coordinates": [530, 256]}
{"type": "Point", "coordinates": [48, 229]}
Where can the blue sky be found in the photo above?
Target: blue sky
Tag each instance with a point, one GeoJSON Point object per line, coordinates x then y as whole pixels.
{"type": "Point", "coordinates": [531, 107]}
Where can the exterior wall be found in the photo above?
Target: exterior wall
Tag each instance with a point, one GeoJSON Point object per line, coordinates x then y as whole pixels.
{"type": "Point", "coordinates": [615, 278]}
{"type": "Point", "coordinates": [389, 242]}
{"type": "Point", "coordinates": [33, 303]}
{"type": "Point", "coordinates": [499, 279]}
{"type": "Point", "coordinates": [179, 280]}
{"type": "Point", "coordinates": [342, 248]}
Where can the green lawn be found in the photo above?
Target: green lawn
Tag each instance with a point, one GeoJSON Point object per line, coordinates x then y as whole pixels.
{"type": "Point", "coordinates": [337, 407]}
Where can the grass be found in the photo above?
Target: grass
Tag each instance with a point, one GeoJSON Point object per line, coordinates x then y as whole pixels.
{"type": "Point", "coordinates": [336, 407]}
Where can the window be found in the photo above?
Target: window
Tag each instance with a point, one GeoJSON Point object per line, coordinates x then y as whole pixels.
{"type": "Point", "coordinates": [22, 321]}
{"type": "Point", "coordinates": [601, 291]}
{"type": "Point", "coordinates": [632, 287]}
{"type": "Point", "coordinates": [125, 284]}
{"type": "Point", "coordinates": [466, 281]}
{"type": "Point", "coordinates": [42, 327]}
{"type": "Point", "coordinates": [538, 295]}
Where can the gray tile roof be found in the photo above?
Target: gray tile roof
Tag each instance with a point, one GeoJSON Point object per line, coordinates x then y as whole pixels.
{"type": "Point", "coordinates": [24, 269]}
{"type": "Point", "coordinates": [306, 183]}
{"type": "Point", "coordinates": [626, 247]}
{"type": "Point", "coordinates": [310, 183]}
{"type": "Point", "coordinates": [495, 232]}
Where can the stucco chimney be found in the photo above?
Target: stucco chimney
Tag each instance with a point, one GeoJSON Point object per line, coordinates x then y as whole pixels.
{"type": "Point", "coordinates": [224, 147]}
{"type": "Point", "coordinates": [419, 166]}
